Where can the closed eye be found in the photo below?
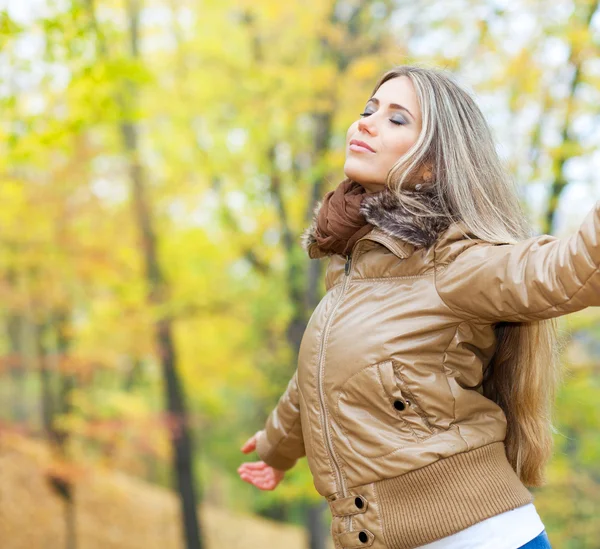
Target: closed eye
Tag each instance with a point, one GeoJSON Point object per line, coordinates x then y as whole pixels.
{"type": "Point", "coordinates": [396, 121]}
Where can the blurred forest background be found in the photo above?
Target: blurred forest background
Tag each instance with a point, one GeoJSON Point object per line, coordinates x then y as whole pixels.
{"type": "Point", "coordinates": [159, 160]}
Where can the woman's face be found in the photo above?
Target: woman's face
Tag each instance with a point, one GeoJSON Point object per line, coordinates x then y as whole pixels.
{"type": "Point", "coordinates": [389, 127]}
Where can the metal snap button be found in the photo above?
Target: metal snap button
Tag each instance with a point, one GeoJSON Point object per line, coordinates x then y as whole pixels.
{"type": "Point", "coordinates": [399, 405]}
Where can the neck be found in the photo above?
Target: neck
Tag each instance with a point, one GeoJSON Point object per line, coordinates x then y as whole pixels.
{"type": "Point", "coordinates": [372, 188]}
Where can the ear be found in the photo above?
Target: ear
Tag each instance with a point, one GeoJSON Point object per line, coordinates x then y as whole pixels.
{"type": "Point", "coordinates": [428, 176]}
{"type": "Point", "coordinates": [424, 174]}
{"type": "Point", "coordinates": [427, 173]}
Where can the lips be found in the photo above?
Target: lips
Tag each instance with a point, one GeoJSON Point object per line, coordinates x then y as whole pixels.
{"type": "Point", "coordinates": [360, 146]}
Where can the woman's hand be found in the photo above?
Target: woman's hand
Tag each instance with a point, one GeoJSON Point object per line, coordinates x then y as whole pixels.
{"type": "Point", "coordinates": [260, 474]}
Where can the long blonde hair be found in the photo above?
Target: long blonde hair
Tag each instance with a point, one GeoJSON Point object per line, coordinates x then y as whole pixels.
{"type": "Point", "coordinates": [474, 186]}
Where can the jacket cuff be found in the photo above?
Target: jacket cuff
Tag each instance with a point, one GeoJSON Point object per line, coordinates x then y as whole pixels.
{"type": "Point", "coordinates": [267, 452]}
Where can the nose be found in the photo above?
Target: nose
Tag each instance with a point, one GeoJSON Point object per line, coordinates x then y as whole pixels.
{"type": "Point", "coordinates": [365, 124]}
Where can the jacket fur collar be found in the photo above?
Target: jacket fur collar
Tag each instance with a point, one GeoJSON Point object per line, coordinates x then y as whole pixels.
{"type": "Point", "coordinates": [386, 213]}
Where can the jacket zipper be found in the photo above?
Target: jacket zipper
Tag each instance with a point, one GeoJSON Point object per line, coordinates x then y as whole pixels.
{"type": "Point", "coordinates": [338, 471]}
{"type": "Point", "coordinates": [347, 272]}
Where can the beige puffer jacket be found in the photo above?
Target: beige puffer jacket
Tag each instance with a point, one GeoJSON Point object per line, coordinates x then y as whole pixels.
{"type": "Point", "coordinates": [386, 402]}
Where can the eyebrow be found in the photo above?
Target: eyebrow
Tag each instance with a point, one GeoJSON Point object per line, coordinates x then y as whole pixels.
{"type": "Point", "coordinates": [392, 105]}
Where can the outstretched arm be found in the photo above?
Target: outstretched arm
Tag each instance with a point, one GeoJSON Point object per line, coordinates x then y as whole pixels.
{"type": "Point", "coordinates": [280, 443]}
{"type": "Point", "coordinates": [258, 473]}
{"type": "Point", "coordinates": [535, 279]}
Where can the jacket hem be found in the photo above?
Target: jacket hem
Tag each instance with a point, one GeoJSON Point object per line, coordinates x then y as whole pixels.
{"type": "Point", "coordinates": [447, 496]}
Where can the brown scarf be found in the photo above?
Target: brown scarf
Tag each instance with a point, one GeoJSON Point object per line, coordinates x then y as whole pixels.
{"type": "Point", "coordinates": [340, 223]}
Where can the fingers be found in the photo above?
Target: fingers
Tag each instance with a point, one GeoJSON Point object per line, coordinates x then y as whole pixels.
{"type": "Point", "coordinates": [260, 475]}
{"type": "Point", "coordinates": [253, 465]}
{"type": "Point", "coordinates": [250, 469]}
{"type": "Point", "coordinates": [250, 444]}
{"type": "Point", "coordinates": [260, 480]}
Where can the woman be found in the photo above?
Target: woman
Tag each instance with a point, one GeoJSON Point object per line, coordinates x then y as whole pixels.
{"type": "Point", "coordinates": [425, 376]}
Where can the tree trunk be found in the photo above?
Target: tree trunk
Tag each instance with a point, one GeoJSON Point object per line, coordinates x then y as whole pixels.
{"type": "Point", "coordinates": [316, 525]}
{"type": "Point", "coordinates": [58, 438]}
{"type": "Point", "coordinates": [46, 397]}
{"type": "Point", "coordinates": [157, 294]}
{"type": "Point", "coordinates": [14, 328]}
{"type": "Point", "coordinates": [559, 181]}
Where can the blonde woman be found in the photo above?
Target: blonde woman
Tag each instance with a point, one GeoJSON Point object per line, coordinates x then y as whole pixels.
{"type": "Point", "coordinates": [423, 392]}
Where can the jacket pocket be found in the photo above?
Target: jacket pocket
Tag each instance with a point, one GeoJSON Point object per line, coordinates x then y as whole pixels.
{"type": "Point", "coordinates": [378, 413]}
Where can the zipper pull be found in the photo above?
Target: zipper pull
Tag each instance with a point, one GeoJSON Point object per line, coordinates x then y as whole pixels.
{"type": "Point", "coordinates": [347, 264]}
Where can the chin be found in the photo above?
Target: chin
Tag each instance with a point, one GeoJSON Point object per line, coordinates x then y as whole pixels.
{"type": "Point", "coordinates": [354, 172]}
{"type": "Point", "coordinates": [360, 174]}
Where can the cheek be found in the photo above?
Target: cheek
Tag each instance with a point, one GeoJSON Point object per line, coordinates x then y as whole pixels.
{"type": "Point", "coordinates": [398, 143]}
{"type": "Point", "coordinates": [351, 131]}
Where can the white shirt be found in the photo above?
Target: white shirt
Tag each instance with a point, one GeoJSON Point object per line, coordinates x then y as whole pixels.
{"type": "Point", "coordinates": [509, 530]}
